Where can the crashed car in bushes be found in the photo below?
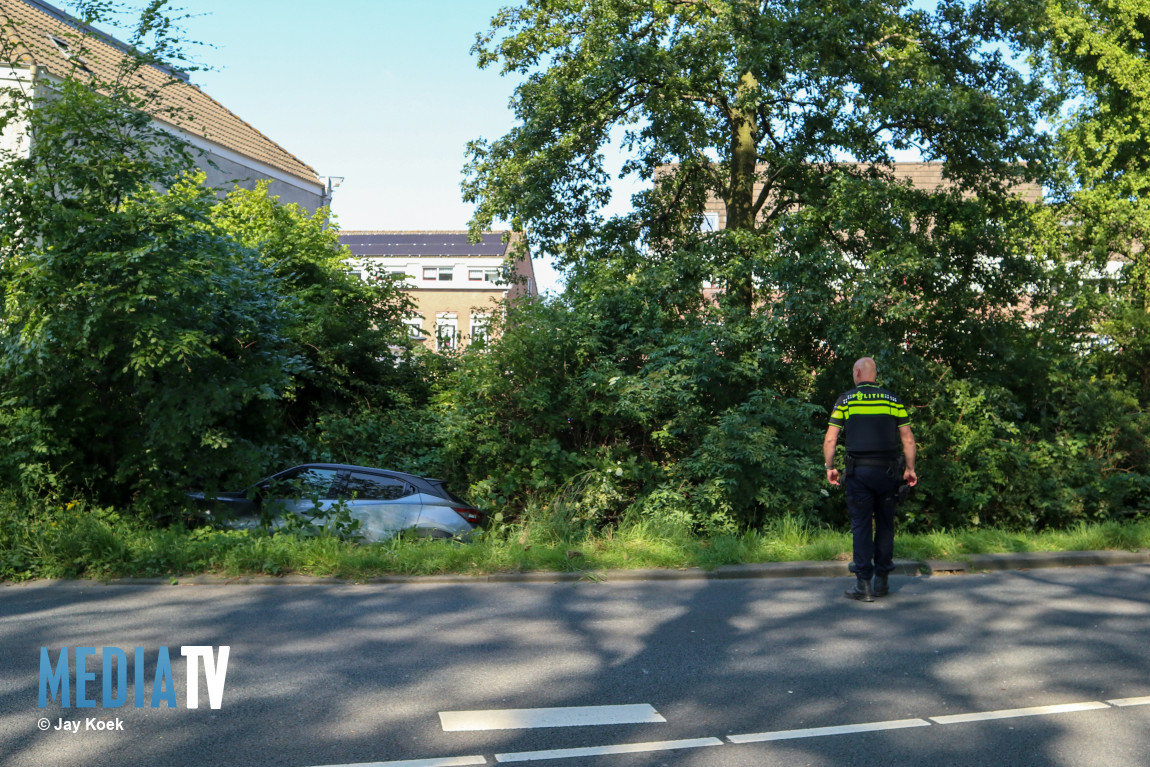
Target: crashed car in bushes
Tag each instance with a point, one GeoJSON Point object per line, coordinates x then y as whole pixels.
{"type": "Point", "coordinates": [383, 502]}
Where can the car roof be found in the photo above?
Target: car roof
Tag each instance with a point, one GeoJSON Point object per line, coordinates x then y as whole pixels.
{"type": "Point", "coordinates": [436, 486]}
{"type": "Point", "coordinates": [371, 469]}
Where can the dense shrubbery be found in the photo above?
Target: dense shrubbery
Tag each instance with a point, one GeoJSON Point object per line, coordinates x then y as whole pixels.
{"type": "Point", "coordinates": [153, 337]}
{"type": "Point", "coordinates": [617, 407]}
{"type": "Point", "coordinates": [614, 404]}
{"type": "Point", "coordinates": [155, 340]}
{"type": "Point", "coordinates": [996, 457]}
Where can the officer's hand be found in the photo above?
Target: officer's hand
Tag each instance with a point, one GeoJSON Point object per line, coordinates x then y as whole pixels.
{"type": "Point", "coordinates": [910, 477]}
{"type": "Point", "coordinates": [833, 476]}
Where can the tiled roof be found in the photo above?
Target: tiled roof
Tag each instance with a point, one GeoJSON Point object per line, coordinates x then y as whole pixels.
{"type": "Point", "coordinates": [928, 176]}
{"type": "Point", "coordinates": [430, 243]}
{"type": "Point", "coordinates": [28, 27]}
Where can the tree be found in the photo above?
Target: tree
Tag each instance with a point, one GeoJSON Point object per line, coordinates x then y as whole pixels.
{"type": "Point", "coordinates": [773, 108]}
{"type": "Point", "coordinates": [141, 346]}
{"type": "Point", "coordinates": [95, 138]}
{"type": "Point", "coordinates": [1098, 51]}
{"type": "Point", "coordinates": [614, 404]}
{"type": "Point", "coordinates": [349, 331]}
{"type": "Point", "coordinates": [790, 115]}
{"type": "Point", "coordinates": [149, 346]}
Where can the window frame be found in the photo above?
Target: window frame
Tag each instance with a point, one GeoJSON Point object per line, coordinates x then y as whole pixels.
{"type": "Point", "coordinates": [443, 274]}
{"type": "Point", "coordinates": [451, 322]}
{"type": "Point", "coordinates": [383, 479]}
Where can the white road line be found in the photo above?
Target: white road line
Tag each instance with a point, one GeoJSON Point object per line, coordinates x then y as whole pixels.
{"type": "Point", "coordinates": [1130, 702]}
{"type": "Point", "coordinates": [983, 716]}
{"type": "Point", "coordinates": [624, 748]}
{"type": "Point", "coordinates": [526, 718]}
{"type": "Point", "coordinates": [672, 745]}
{"type": "Point", "coordinates": [818, 732]}
{"type": "Point", "coordinates": [446, 761]}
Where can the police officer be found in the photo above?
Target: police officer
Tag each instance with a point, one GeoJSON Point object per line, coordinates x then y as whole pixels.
{"type": "Point", "coordinates": [875, 425]}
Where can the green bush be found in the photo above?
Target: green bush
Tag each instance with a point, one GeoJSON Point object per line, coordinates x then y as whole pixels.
{"type": "Point", "coordinates": [619, 404]}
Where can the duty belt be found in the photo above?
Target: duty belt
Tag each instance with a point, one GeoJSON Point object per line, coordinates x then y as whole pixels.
{"type": "Point", "coordinates": [879, 461]}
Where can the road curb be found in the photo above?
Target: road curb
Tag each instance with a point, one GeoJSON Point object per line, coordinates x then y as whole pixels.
{"type": "Point", "coordinates": [976, 563]}
{"type": "Point", "coordinates": [1034, 559]}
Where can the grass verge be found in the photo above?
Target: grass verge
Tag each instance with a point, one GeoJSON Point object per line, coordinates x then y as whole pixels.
{"type": "Point", "coordinates": [78, 541]}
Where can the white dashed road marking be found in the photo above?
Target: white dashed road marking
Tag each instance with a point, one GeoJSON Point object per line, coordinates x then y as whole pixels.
{"type": "Point", "coordinates": [1013, 713]}
{"type": "Point", "coordinates": [640, 713]}
{"type": "Point", "coordinates": [626, 748]}
{"type": "Point", "coordinates": [526, 718]}
{"type": "Point", "coordinates": [447, 761]}
{"type": "Point", "coordinates": [1130, 702]}
{"type": "Point", "coordinates": [818, 732]}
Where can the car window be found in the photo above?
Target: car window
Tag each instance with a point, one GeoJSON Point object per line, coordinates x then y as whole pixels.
{"type": "Point", "coordinates": [441, 488]}
{"type": "Point", "coordinates": [304, 483]}
{"type": "Point", "coordinates": [375, 487]}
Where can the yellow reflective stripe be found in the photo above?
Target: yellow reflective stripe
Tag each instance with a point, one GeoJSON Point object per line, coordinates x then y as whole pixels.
{"type": "Point", "coordinates": [874, 410]}
{"type": "Point", "coordinates": [855, 409]}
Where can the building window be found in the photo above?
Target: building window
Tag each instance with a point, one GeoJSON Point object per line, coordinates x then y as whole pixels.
{"type": "Point", "coordinates": [710, 222]}
{"type": "Point", "coordinates": [485, 274]}
{"type": "Point", "coordinates": [414, 327]}
{"type": "Point", "coordinates": [439, 273]}
{"type": "Point", "coordinates": [446, 332]}
{"type": "Point", "coordinates": [479, 331]}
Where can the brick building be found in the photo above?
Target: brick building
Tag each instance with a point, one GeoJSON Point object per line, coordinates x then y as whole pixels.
{"type": "Point", "coordinates": [922, 175]}
{"type": "Point", "coordinates": [456, 284]}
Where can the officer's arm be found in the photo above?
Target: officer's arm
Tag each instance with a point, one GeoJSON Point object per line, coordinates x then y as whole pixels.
{"type": "Point", "coordinates": [909, 450]}
{"type": "Point", "coordinates": [829, 442]}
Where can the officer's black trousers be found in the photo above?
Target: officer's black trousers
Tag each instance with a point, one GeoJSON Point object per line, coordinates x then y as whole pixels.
{"type": "Point", "coordinates": [871, 494]}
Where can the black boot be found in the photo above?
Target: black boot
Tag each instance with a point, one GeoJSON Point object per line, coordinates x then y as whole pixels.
{"type": "Point", "coordinates": [881, 585]}
{"type": "Point", "coordinates": [861, 591]}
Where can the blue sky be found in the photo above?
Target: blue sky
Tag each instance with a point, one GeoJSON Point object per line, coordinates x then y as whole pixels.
{"type": "Point", "coordinates": [384, 93]}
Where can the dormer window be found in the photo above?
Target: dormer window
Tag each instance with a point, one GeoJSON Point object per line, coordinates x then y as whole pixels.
{"type": "Point", "coordinates": [61, 45]}
{"type": "Point", "coordinates": [66, 51]}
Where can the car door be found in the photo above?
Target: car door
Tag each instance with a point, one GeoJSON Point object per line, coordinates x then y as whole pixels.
{"type": "Point", "coordinates": [305, 490]}
{"type": "Point", "coordinates": [384, 505]}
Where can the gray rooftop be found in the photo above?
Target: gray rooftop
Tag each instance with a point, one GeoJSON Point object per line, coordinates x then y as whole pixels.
{"type": "Point", "coordinates": [422, 244]}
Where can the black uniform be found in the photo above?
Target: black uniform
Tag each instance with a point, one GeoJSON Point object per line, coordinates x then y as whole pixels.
{"type": "Point", "coordinates": [870, 417]}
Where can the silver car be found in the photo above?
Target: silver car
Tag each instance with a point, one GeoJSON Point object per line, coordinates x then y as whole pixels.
{"type": "Point", "coordinates": [383, 502]}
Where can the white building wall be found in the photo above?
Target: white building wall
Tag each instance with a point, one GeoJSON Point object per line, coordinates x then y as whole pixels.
{"type": "Point", "coordinates": [225, 168]}
{"type": "Point", "coordinates": [233, 169]}
{"type": "Point", "coordinates": [460, 269]}
{"type": "Point", "coordinates": [14, 137]}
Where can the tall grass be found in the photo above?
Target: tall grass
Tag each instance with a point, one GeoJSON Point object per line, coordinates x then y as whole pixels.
{"type": "Point", "coordinates": [77, 540]}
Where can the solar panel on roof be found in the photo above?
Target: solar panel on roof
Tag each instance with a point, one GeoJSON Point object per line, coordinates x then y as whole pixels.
{"type": "Point", "coordinates": [390, 244]}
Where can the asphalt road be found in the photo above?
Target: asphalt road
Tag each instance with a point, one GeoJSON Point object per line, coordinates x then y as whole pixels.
{"type": "Point", "coordinates": [1040, 667]}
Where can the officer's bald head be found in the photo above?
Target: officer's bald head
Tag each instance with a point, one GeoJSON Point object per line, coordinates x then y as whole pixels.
{"type": "Point", "coordinates": [865, 370]}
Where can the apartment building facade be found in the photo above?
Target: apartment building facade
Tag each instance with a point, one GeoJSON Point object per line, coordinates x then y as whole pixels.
{"type": "Point", "coordinates": [457, 285]}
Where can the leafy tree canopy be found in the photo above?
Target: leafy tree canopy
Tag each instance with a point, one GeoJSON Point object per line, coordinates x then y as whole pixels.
{"type": "Point", "coordinates": [154, 337]}
{"type": "Point", "coordinates": [349, 330]}
{"type": "Point", "coordinates": [788, 118]}
{"type": "Point", "coordinates": [1098, 52]}
{"type": "Point", "coordinates": [769, 107]}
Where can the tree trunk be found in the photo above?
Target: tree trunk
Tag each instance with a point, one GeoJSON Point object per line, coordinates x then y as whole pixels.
{"type": "Point", "coordinates": [740, 199]}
